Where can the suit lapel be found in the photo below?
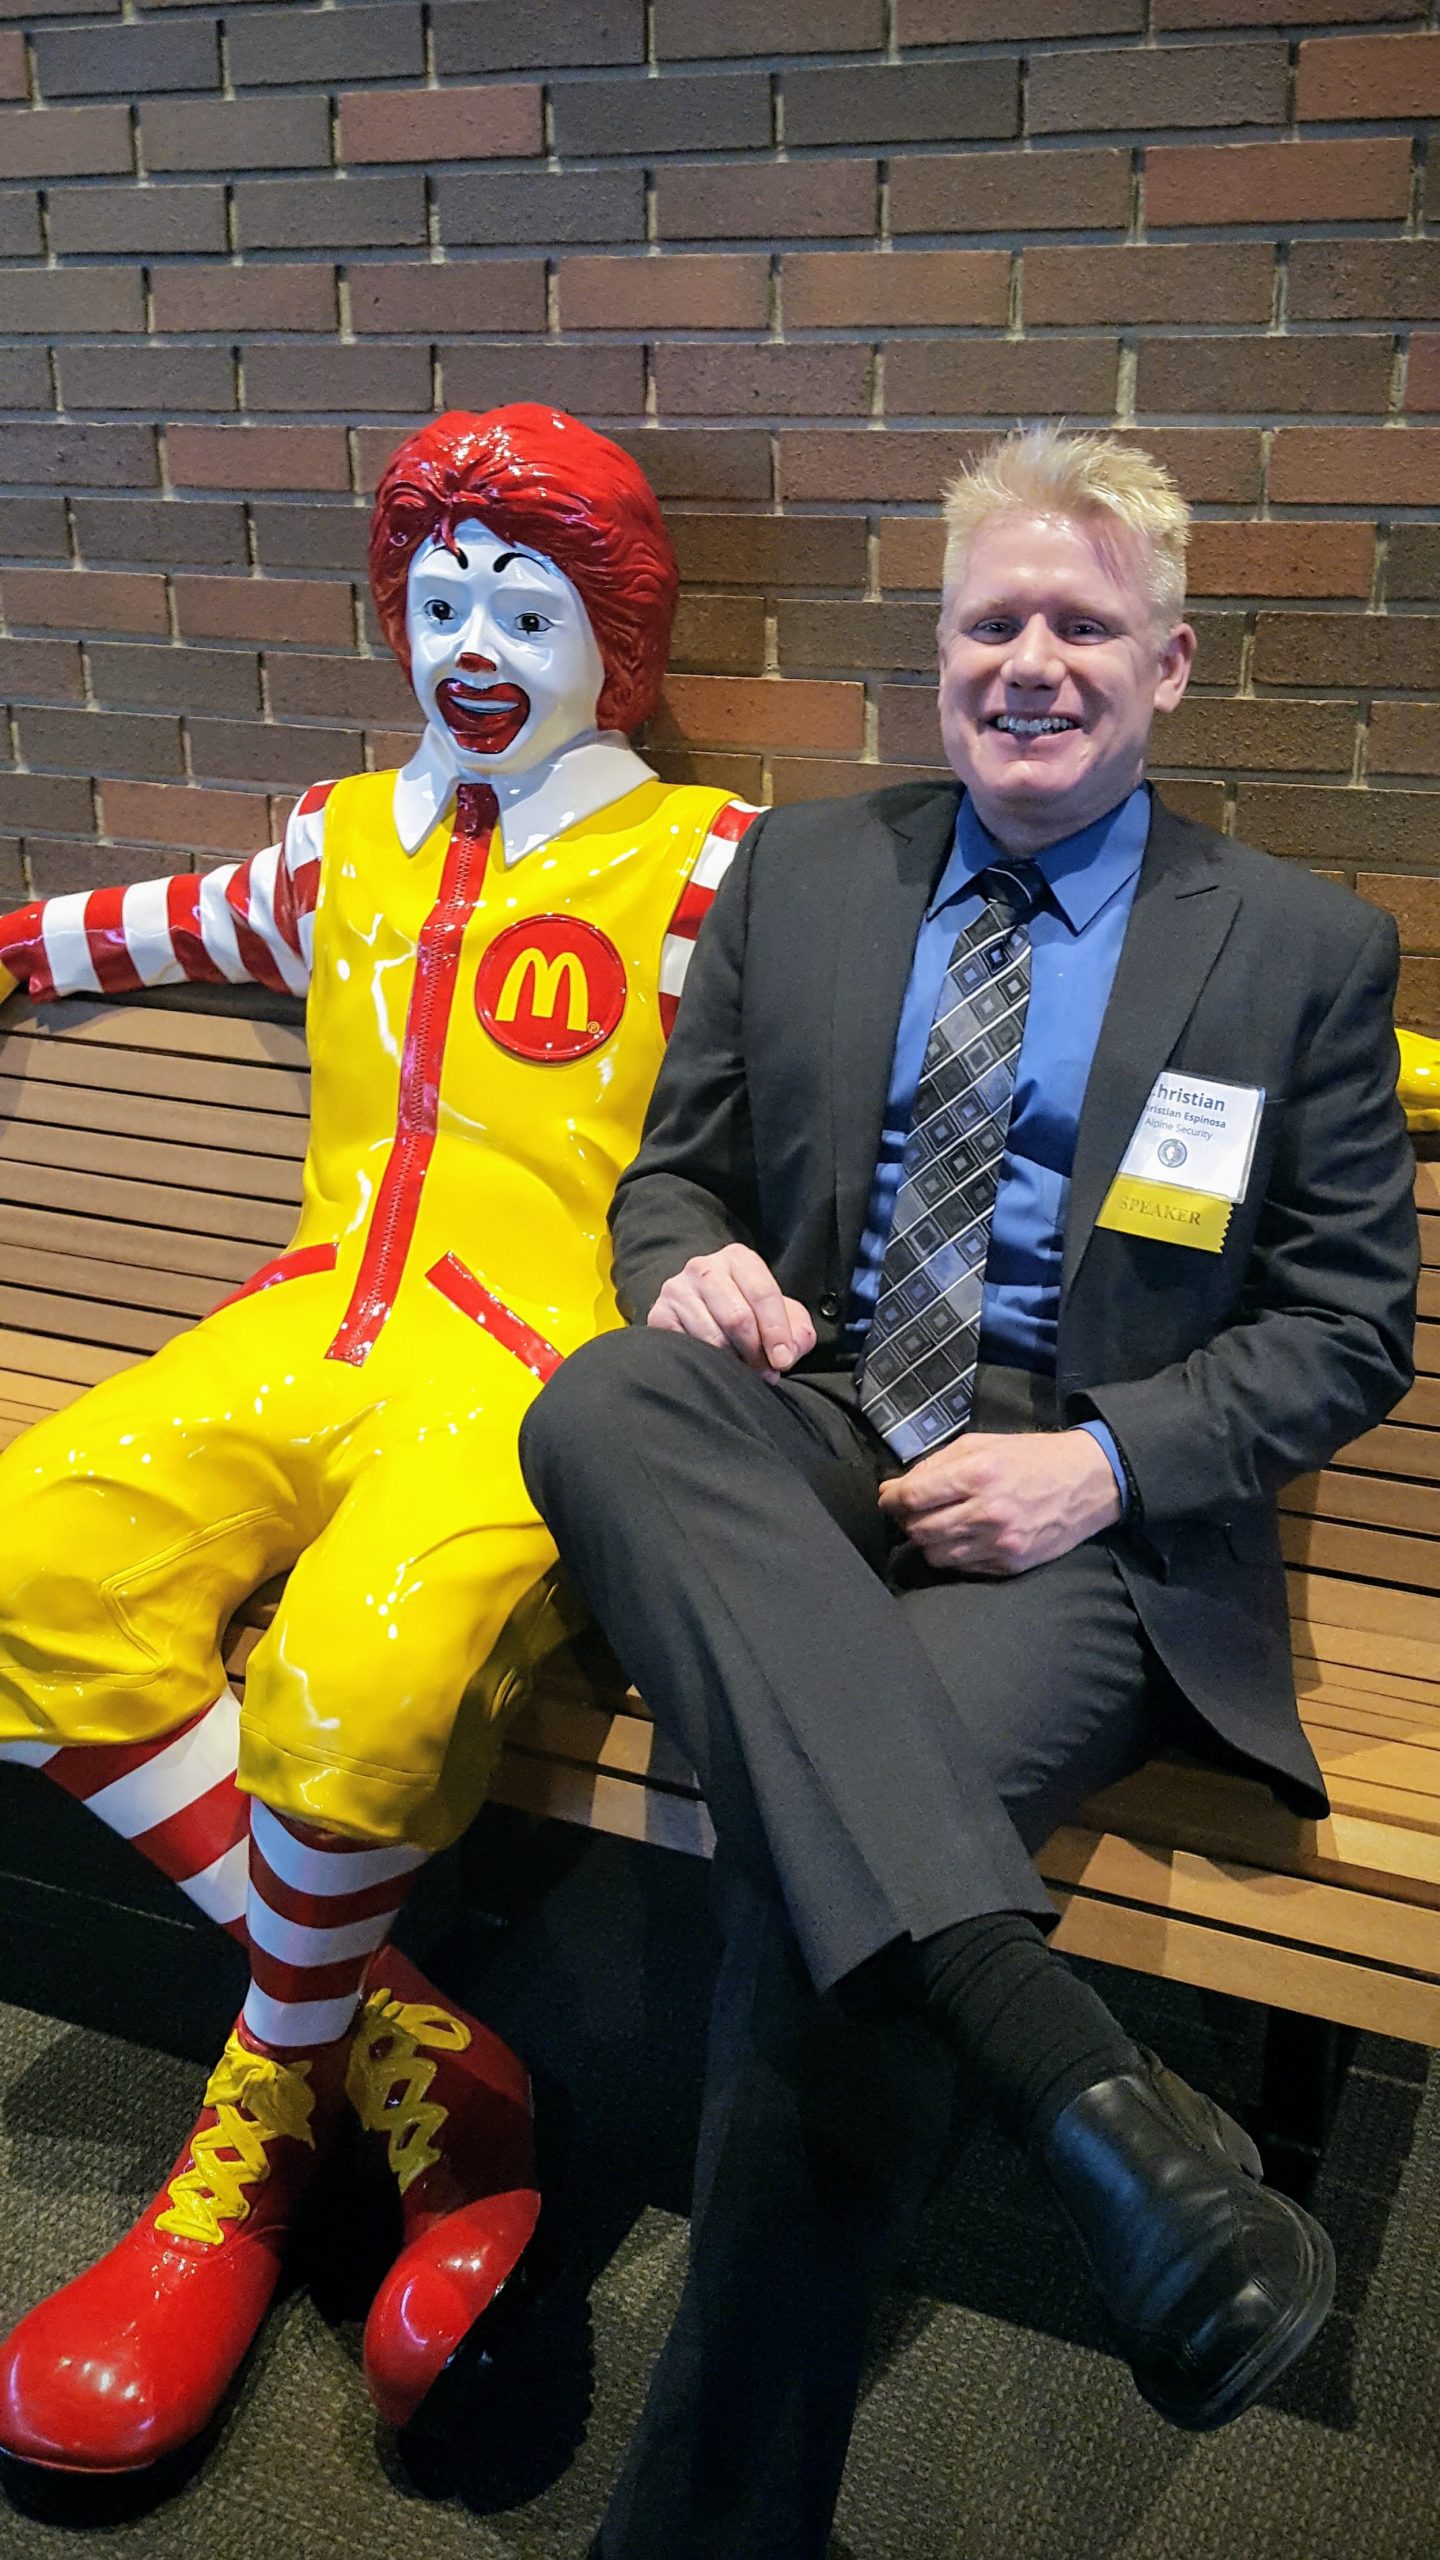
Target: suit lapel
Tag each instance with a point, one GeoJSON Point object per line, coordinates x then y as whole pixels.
{"type": "Point", "coordinates": [892, 873]}
{"type": "Point", "coordinates": [1182, 913]}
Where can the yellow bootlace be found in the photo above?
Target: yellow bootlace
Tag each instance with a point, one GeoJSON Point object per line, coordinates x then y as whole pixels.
{"type": "Point", "coordinates": [389, 2077]}
{"type": "Point", "coordinates": [255, 2098]}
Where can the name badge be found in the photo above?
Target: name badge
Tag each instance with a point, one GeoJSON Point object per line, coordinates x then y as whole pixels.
{"type": "Point", "coordinates": [1188, 1162]}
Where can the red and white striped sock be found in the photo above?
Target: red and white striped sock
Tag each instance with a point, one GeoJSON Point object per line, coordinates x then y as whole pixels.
{"type": "Point", "coordinates": [174, 1798]}
{"type": "Point", "coordinates": [318, 1909]}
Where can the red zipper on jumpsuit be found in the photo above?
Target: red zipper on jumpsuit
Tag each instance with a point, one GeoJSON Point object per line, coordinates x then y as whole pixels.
{"type": "Point", "coordinates": [437, 967]}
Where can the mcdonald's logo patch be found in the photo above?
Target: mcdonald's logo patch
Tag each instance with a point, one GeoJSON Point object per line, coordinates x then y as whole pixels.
{"type": "Point", "coordinates": [550, 988]}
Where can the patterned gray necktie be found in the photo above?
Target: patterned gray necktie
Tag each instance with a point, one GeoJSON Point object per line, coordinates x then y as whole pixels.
{"type": "Point", "coordinates": [917, 1372]}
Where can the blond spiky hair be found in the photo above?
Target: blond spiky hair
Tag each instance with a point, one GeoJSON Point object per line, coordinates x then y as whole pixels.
{"type": "Point", "coordinates": [1043, 471]}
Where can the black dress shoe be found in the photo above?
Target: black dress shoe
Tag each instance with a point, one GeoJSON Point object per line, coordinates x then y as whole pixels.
{"type": "Point", "coordinates": [1215, 2283]}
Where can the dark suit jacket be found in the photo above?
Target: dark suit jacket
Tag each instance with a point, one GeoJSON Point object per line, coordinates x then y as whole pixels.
{"type": "Point", "coordinates": [1221, 1375]}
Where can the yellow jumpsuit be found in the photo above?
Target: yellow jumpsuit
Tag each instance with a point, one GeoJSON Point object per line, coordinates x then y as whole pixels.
{"type": "Point", "coordinates": [484, 1042]}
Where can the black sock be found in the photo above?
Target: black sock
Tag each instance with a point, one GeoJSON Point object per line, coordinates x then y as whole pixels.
{"type": "Point", "coordinates": [1030, 2035]}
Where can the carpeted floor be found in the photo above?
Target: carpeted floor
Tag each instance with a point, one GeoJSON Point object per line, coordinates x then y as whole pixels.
{"type": "Point", "coordinates": [996, 2425]}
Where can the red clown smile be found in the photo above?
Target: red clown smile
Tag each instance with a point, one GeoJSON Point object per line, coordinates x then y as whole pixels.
{"type": "Point", "coordinates": [486, 719]}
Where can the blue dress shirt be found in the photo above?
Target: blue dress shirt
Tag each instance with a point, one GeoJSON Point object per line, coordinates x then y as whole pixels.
{"type": "Point", "coordinates": [1075, 938]}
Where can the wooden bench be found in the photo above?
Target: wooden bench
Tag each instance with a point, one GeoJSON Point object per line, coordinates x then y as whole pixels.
{"type": "Point", "coordinates": [150, 1157]}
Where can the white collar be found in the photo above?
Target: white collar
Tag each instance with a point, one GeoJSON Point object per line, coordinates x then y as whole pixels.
{"type": "Point", "coordinates": [535, 806]}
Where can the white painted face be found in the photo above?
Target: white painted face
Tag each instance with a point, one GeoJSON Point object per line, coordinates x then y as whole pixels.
{"type": "Point", "coordinates": [502, 657]}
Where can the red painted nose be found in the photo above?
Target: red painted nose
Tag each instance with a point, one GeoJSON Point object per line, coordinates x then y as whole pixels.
{"type": "Point", "coordinates": [475, 665]}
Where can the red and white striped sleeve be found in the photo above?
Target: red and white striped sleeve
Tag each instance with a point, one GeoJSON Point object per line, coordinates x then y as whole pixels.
{"type": "Point", "coordinates": [696, 899]}
{"type": "Point", "coordinates": [251, 920]}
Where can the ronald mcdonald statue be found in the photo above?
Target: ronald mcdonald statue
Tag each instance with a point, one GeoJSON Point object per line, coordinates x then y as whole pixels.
{"type": "Point", "coordinates": [492, 941]}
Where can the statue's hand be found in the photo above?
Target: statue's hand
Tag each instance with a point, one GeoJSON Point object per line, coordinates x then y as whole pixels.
{"type": "Point", "coordinates": [1419, 1085]}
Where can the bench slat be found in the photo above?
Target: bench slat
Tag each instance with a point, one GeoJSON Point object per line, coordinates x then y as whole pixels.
{"type": "Point", "coordinates": [138, 1160]}
{"type": "Point", "coordinates": [1285, 1908]}
{"type": "Point", "coordinates": [85, 1320]}
{"type": "Point", "coordinates": [168, 1251]}
{"type": "Point", "coordinates": [219, 1137]}
{"type": "Point", "coordinates": [175, 1028]}
{"type": "Point", "coordinates": [1326, 1546]}
{"type": "Point", "coordinates": [155, 1204]}
{"type": "Point", "coordinates": [112, 1284]}
{"type": "Point", "coordinates": [1394, 1450]}
{"type": "Point", "coordinates": [1373, 1501]}
{"type": "Point", "coordinates": [217, 1084]}
{"type": "Point", "coordinates": [45, 1356]}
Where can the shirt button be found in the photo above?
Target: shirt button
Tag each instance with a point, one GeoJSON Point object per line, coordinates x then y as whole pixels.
{"type": "Point", "coordinates": [829, 1306]}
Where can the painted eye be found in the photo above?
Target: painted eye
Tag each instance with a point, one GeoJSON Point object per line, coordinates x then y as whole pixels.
{"type": "Point", "coordinates": [437, 610]}
{"type": "Point", "coordinates": [532, 624]}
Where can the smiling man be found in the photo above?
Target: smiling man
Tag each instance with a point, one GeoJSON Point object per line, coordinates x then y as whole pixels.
{"type": "Point", "coordinates": [1023, 1201]}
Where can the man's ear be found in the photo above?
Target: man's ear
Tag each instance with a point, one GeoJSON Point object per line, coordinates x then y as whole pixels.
{"type": "Point", "coordinates": [1177, 658]}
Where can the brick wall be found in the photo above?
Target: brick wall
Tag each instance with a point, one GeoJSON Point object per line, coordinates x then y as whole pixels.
{"type": "Point", "coordinates": [800, 255]}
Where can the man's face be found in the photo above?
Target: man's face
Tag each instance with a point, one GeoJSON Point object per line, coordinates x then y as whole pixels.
{"type": "Point", "coordinates": [1052, 666]}
{"type": "Point", "coordinates": [502, 657]}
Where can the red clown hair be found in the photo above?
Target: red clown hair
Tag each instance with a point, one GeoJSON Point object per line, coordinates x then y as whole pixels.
{"type": "Point", "coordinates": [543, 482]}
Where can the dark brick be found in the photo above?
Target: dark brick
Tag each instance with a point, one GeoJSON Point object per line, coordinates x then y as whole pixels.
{"type": "Point", "coordinates": [1277, 182]}
{"type": "Point", "coordinates": [603, 382]}
{"type": "Point", "coordinates": [1253, 376]}
{"type": "Point", "coordinates": [773, 200]}
{"type": "Point", "coordinates": [514, 207]}
{"type": "Point", "coordinates": [57, 866]}
{"type": "Point", "coordinates": [100, 742]}
{"type": "Point", "coordinates": [332, 213]}
{"type": "Point", "coordinates": [1121, 89]}
{"type": "Point", "coordinates": [855, 467]}
{"type": "Point", "coordinates": [695, 30]}
{"type": "Point", "coordinates": [284, 759]}
{"type": "Point", "coordinates": [253, 133]}
{"type": "Point", "coordinates": [720, 112]}
{"type": "Point", "coordinates": [1376, 828]}
{"type": "Point", "coordinates": [196, 534]}
{"type": "Point", "coordinates": [33, 529]}
{"type": "Point", "coordinates": [1355, 466]}
{"type": "Point", "coordinates": [45, 302]}
{"type": "Point", "coordinates": [24, 379]}
{"type": "Point", "coordinates": [502, 36]}
{"type": "Point", "coordinates": [1365, 280]}
{"type": "Point", "coordinates": [131, 62]}
{"type": "Point", "coordinates": [234, 298]}
{"type": "Point", "coordinates": [337, 689]}
{"type": "Point", "coordinates": [1283, 737]}
{"type": "Point", "coordinates": [160, 813]}
{"type": "Point", "coordinates": [849, 635]}
{"type": "Point", "coordinates": [835, 778]}
{"type": "Point", "coordinates": [41, 671]}
{"type": "Point", "coordinates": [913, 102]}
{"type": "Point", "coordinates": [67, 457]}
{"type": "Point", "coordinates": [1365, 650]}
{"type": "Point", "coordinates": [742, 776]}
{"type": "Point", "coordinates": [143, 220]}
{"type": "Point", "coordinates": [1130, 286]}
{"type": "Point", "coordinates": [306, 613]}
{"type": "Point", "coordinates": [770, 551]}
{"type": "Point", "coordinates": [245, 457]}
{"type": "Point", "coordinates": [136, 679]}
{"type": "Point", "coordinates": [279, 48]}
{"type": "Point", "coordinates": [1220, 639]}
{"type": "Point", "coordinates": [973, 21]}
{"type": "Point", "coordinates": [470, 296]}
{"type": "Point", "coordinates": [69, 142]}
{"type": "Point", "coordinates": [440, 124]}
{"type": "Point", "coordinates": [1347, 77]}
{"type": "Point", "coordinates": [85, 600]}
{"type": "Point", "coordinates": [162, 380]}
{"type": "Point", "coordinates": [14, 79]}
{"type": "Point", "coordinates": [1001, 377]}
{"type": "Point", "coordinates": [42, 800]}
{"type": "Point", "coordinates": [1277, 13]}
{"type": "Point", "coordinates": [895, 289]}
{"type": "Point", "coordinates": [13, 884]}
{"type": "Point", "coordinates": [1404, 737]}
{"type": "Point", "coordinates": [712, 466]}
{"type": "Point", "coordinates": [350, 379]}
{"type": "Point", "coordinates": [723, 634]}
{"type": "Point", "coordinates": [20, 223]}
{"type": "Point", "coordinates": [1285, 557]}
{"type": "Point", "coordinates": [909, 731]}
{"type": "Point", "coordinates": [679, 292]}
{"type": "Point", "coordinates": [1011, 191]}
{"type": "Point", "coordinates": [749, 711]}
{"type": "Point", "coordinates": [1412, 562]}
{"type": "Point", "coordinates": [306, 536]}
{"type": "Point", "coordinates": [769, 381]}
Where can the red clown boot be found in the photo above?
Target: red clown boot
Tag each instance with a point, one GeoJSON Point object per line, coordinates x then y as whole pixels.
{"type": "Point", "coordinates": [454, 2105]}
{"type": "Point", "coordinates": [130, 2361]}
